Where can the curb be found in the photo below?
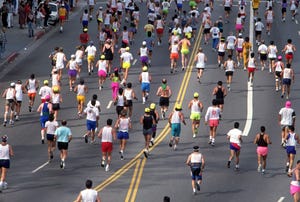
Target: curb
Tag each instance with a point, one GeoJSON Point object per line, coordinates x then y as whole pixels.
{"type": "Point", "coordinates": [39, 34]}
{"type": "Point", "coordinates": [12, 57]}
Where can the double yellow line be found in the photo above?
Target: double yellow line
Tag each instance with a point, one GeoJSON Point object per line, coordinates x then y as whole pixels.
{"type": "Point", "coordinates": [140, 164]}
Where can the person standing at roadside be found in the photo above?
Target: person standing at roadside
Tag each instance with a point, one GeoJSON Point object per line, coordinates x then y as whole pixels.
{"type": "Point", "coordinates": [89, 194]}
{"type": "Point", "coordinates": [63, 136]}
{"type": "Point", "coordinates": [197, 163]}
{"type": "Point", "coordinates": [262, 140]}
{"type": "Point", "coordinates": [235, 138]}
{"type": "Point", "coordinates": [6, 152]}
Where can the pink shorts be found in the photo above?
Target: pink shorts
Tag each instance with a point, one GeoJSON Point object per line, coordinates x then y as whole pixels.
{"type": "Point", "coordinates": [294, 189]}
{"type": "Point", "coordinates": [213, 123]}
{"type": "Point", "coordinates": [238, 27]}
{"type": "Point", "coordinates": [263, 151]}
{"type": "Point", "coordinates": [101, 73]}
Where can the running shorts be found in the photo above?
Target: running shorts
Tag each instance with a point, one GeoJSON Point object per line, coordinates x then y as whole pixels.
{"type": "Point", "coordinates": [106, 146]}
{"type": "Point", "coordinates": [174, 56]}
{"type": "Point", "coordinates": [228, 73]}
{"type": "Point", "coordinates": [164, 101]}
{"type": "Point", "coordinates": [126, 65]}
{"type": "Point", "coordinates": [286, 82]}
{"type": "Point", "coordinates": [122, 135]}
{"type": "Point", "coordinates": [145, 87]}
{"type": "Point", "coordinates": [80, 98]}
{"type": "Point", "coordinates": [91, 58]}
{"type": "Point", "coordinates": [50, 137]}
{"type": "Point", "coordinates": [294, 189]}
{"type": "Point", "coordinates": [251, 69]}
{"type": "Point", "coordinates": [214, 123]}
{"type": "Point", "coordinates": [147, 131]}
{"type": "Point", "coordinates": [56, 106]}
{"type": "Point", "coordinates": [289, 56]}
{"type": "Point", "coordinates": [185, 51]}
{"type": "Point", "coordinates": [72, 72]}
{"type": "Point", "coordinates": [4, 163]}
{"type": "Point", "coordinates": [195, 116]}
{"type": "Point", "coordinates": [291, 150]}
{"type": "Point", "coordinates": [31, 95]}
{"type": "Point", "coordinates": [175, 129]}
{"type": "Point", "coordinates": [144, 59]}
{"type": "Point", "coordinates": [160, 30]}
{"type": "Point", "coordinates": [102, 73]}
{"type": "Point", "coordinates": [235, 147]}
{"type": "Point", "coordinates": [91, 125]}
{"type": "Point", "coordinates": [62, 145]}
{"type": "Point", "coordinates": [262, 151]}
{"type": "Point", "coordinates": [263, 56]}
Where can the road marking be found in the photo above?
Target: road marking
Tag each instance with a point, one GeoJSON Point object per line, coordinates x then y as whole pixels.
{"type": "Point", "coordinates": [40, 167]}
{"type": "Point", "coordinates": [138, 162]}
{"type": "Point", "coordinates": [135, 60]}
{"type": "Point", "coordinates": [281, 199]}
{"type": "Point", "coordinates": [109, 104]}
{"type": "Point", "coordinates": [138, 180]}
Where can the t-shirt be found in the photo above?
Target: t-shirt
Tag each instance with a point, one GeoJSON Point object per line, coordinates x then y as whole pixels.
{"type": "Point", "coordinates": [51, 127]}
{"type": "Point", "coordinates": [91, 113]}
{"type": "Point", "coordinates": [234, 135]}
{"type": "Point", "coordinates": [215, 32]}
{"type": "Point", "coordinates": [287, 115]}
{"type": "Point", "coordinates": [126, 57]}
{"type": "Point", "coordinates": [91, 50]}
{"type": "Point", "coordinates": [63, 134]}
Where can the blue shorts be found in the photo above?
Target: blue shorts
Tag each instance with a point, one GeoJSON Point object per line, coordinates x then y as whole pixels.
{"type": "Point", "coordinates": [175, 129]}
{"type": "Point", "coordinates": [85, 23]}
{"type": "Point", "coordinates": [145, 87]}
{"type": "Point", "coordinates": [123, 135]}
{"type": "Point", "coordinates": [290, 150]}
{"type": "Point", "coordinates": [91, 125]}
{"type": "Point", "coordinates": [195, 173]}
{"type": "Point", "coordinates": [232, 147]}
{"type": "Point", "coordinates": [43, 120]}
{"type": "Point", "coordinates": [179, 6]}
{"type": "Point", "coordinates": [286, 82]}
{"type": "Point", "coordinates": [5, 163]}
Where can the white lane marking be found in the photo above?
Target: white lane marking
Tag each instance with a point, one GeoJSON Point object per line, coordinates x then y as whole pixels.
{"type": "Point", "coordinates": [299, 33]}
{"type": "Point", "coordinates": [40, 167]}
{"type": "Point", "coordinates": [135, 60]}
{"type": "Point", "coordinates": [250, 88]}
{"type": "Point", "coordinates": [109, 104]}
{"type": "Point", "coordinates": [281, 199]}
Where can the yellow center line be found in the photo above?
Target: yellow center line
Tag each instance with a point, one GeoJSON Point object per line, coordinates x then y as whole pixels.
{"type": "Point", "coordinates": [138, 162]}
{"type": "Point", "coordinates": [136, 187]}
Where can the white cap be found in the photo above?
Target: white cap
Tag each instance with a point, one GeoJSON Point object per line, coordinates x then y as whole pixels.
{"type": "Point", "coordinates": [73, 56]}
{"type": "Point", "coordinates": [144, 43]}
{"type": "Point", "coordinates": [12, 84]}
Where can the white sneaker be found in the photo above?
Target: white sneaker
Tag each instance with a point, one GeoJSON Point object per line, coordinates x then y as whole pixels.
{"type": "Point", "coordinates": [175, 147]}
{"type": "Point", "coordinates": [107, 168]}
{"type": "Point", "coordinates": [259, 168]}
{"type": "Point", "coordinates": [194, 136]}
{"type": "Point", "coordinates": [4, 185]}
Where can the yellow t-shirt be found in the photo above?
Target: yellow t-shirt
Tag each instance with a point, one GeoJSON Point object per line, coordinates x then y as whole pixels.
{"type": "Point", "coordinates": [62, 11]}
{"type": "Point", "coordinates": [255, 4]}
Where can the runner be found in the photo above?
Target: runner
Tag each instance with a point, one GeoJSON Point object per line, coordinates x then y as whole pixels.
{"type": "Point", "coordinates": [56, 79]}
{"type": "Point", "coordinates": [269, 16]}
{"type": "Point", "coordinates": [62, 12]}
{"type": "Point", "coordinates": [239, 24]}
{"type": "Point", "coordinates": [56, 100]}
{"type": "Point", "coordinates": [277, 69]}
{"type": "Point", "coordinates": [84, 19]}
{"type": "Point", "coordinates": [108, 50]}
{"type": "Point", "coordinates": [293, 8]}
{"type": "Point", "coordinates": [289, 50]}
{"type": "Point", "coordinates": [45, 109]}
{"type": "Point", "coordinates": [272, 51]}
{"type": "Point", "coordinates": [239, 48]}
{"type": "Point", "coordinates": [145, 80]}
{"type": "Point", "coordinates": [229, 67]}
{"type": "Point", "coordinates": [200, 59]}
{"type": "Point", "coordinates": [72, 72]}
{"type": "Point", "coordinates": [155, 115]}
{"type": "Point", "coordinates": [283, 10]}
{"type": "Point", "coordinates": [119, 102]}
{"type": "Point", "coordinates": [51, 126]}
{"type": "Point", "coordinates": [258, 27]}
{"type": "Point", "coordinates": [291, 139]}
{"type": "Point", "coordinates": [10, 101]}
{"type": "Point", "coordinates": [31, 86]}
{"type": "Point", "coordinates": [263, 54]}
{"type": "Point", "coordinates": [197, 163]}
{"type": "Point", "coordinates": [164, 92]}
{"type": "Point", "coordinates": [286, 118]}
{"type": "Point", "coordinates": [206, 24]}
{"type": "Point", "coordinates": [99, 16]}
{"type": "Point", "coordinates": [221, 47]}
{"type": "Point", "coordinates": [174, 55]}
{"type": "Point", "coordinates": [6, 152]}
{"type": "Point", "coordinates": [212, 117]}
{"type": "Point", "coordinates": [102, 71]}
{"type": "Point", "coordinates": [262, 140]}
{"type": "Point", "coordinates": [288, 76]}
{"type": "Point", "coordinates": [91, 4]}
{"type": "Point", "coordinates": [88, 194]}
{"type": "Point", "coordinates": [227, 7]}
{"type": "Point", "coordinates": [84, 38]}
{"type": "Point", "coordinates": [147, 121]}
{"type": "Point", "coordinates": [251, 68]}
{"type": "Point", "coordinates": [175, 119]}
{"type": "Point", "coordinates": [215, 33]}
{"type": "Point", "coordinates": [20, 90]}
{"type": "Point", "coordinates": [159, 25]}
{"type": "Point", "coordinates": [92, 117]}
{"type": "Point", "coordinates": [129, 95]}
{"type": "Point", "coordinates": [123, 124]}
{"type": "Point", "coordinates": [295, 185]}
{"type": "Point", "coordinates": [79, 54]}
{"type": "Point", "coordinates": [247, 47]}
{"type": "Point", "coordinates": [81, 90]}
{"type": "Point", "coordinates": [143, 53]}
{"type": "Point", "coordinates": [126, 59]}
{"type": "Point", "coordinates": [231, 41]}
{"type": "Point", "coordinates": [91, 54]}
{"type": "Point", "coordinates": [115, 79]}
{"type": "Point", "coordinates": [63, 136]}
{"type": "Point", "coordinates": [220, 92]}
{"type": "Point", "coordinates": [196, 107]}
{"type": "Point", "coordinates": [235, 138]}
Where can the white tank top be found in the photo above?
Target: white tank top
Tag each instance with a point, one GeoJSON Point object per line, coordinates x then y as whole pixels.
{"type": "Point", "coordinates": [175, 117]}
{"type": "Point", "coordinates": [80, 90]}
{"type": "Point", "coordinates": [120, 100]}
{"type": "Point", "coordinates": [159, 24]}
{"type": "Point", "coordinates": [72, 65]}
{"type": "Point", "coordinates": [227, 3]}
{"type": "Point", "coordinates": [60, 60]}
{"type": "Point", "coordinates": [102, 36]}
{"type": "Point", "coordinates": [145, 77]}
{"type": "Point", "coordinates": [196, 158]}
{"type": "Point", "coordinates": [115, 26]}
{"type": "Point", "coordinates": [4, 152]}
{"type": "Point", "coordinates": [55, 98]}
{"type": "Point", "coordinates": [195, 108]}
{"type": "Point", "coordinates": [240, 42]}
{"type": "Point", "coordinates": [278, 67]}
{"type": "Point", "coordinates": [124, 124]}
{"type": "Point", "coordinates": [78, 56]}
{"type": "Point", "coordinates": [107, 19]}
{"type": "Point", "coordinates": [106, 134]}
{"type": "Point", "coordinates": [287, 73]}
{"type": "Point", "coordinates": [128, 94]}
{"type": "Point", "coordinates": [230, 66]}
{"type": "Point", "coordinates": [251, 63]}
{"type": "Point", "coordinates": [200, 59]}
{"type": "Point", "coordinates": [102, 65]}
{"type": "Point", "coordinates": [10, 94]}
{"type": "Point", "coordinates": [291, 141]}
{"type": "Point", "coordinates": [289, 49]}
{"type": "Point", "coordinates": [143, 51]}
{"type": "Point", "coordinates": [120, 6]}
{"type": "Point", "coordinates": [272, 51]}
{"type": "Point", "coordinates": [174, 48]}
{"type": "Point", "coordinates": [85, 17]}
{"type": "Point", "coordinates": [31, 86]}
{"type": "Point", "coordinates": [19, 92]}
{"type": "Point", "coordinates": [269, 15]}
{"type": "Point", "coordinates": [221, 47]}
{"type": "Point", "coordinates": [89, 195]}
{"type": "Point", "coordinates": [238, 21]}
{"type": "Point", "coordinates": [125, 36]}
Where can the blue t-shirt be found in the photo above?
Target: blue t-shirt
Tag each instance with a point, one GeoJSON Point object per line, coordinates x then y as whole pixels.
{"type": "Point", "coordinates": [63, 134]}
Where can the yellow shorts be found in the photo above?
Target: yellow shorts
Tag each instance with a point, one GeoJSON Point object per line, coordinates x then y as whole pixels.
{"type": "Point", "coordinates": [126, 65]}
{"type": "Point", "coordinates": [195, 116]}
{"type": "Point", "coordinates": [91, 58]}
{"type": "Point", "coordinates": [185, 51]}
{"type": "Point", "coordinates": [80, 98]}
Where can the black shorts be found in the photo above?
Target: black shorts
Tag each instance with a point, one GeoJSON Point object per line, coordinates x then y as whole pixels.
{"type": "Point", "coordinates": [119, 12]}
{"type": "Point", "coordinates": [206, 31]}
{"type": "Point", "coordinates": [257, 33]}
{"type": "Point", "coordinates": [50, 137]}
{"type": "Point", "coordinates": [227, 9]}
{"type": "Point", "coordinates": [222, 54]}
{"type": "Point", "coordinates": [283, 10]}
{"type": "Point", "coordinates": [10, 102]}
{"type": "Point", "coordinates": [286, 82]}
{"type": "Point", "coordinates": [128, 103]}
{"type": "Point", "coordinates": [263, 57]}
{"type": "Point", "coordinates": [62, 145]}
{"type": "Point", "coordinates": [119, 109]}
{"type": "Point", "coordinates": [56, 106]}
{"type": "Point", "coordinates": [278, 74]}
{"type": "Point", "coordinates": [5, 163]}
{"type": "Point", "coordinates": [164, 101]}
{"type": "Point", "coordinates": [229, 73]}
{"type": "Point", "coordinates": [220, 101]}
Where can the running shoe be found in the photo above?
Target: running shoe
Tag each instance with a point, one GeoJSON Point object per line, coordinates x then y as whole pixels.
{"type": "Point", "coordinates": [237, 167]}
{"type": "Point", "coordinates": [29, 108]}
{"type": "Point", "coordinates": [17, 118]}
{"type": "Point", "coordinates": [209, 142]}
{"type": "Point", "coordinates": [170, 144]}
{"type": "Point", "coordinates": [259, 168]}
{"type": "Point", "coordinates": [4, 123]}
{"type": "Point", "coordinates": [51, 155]}
{"type": "Point", "coordinates": [61, 164]}
{"type": "Point", "coordinates": [107, 168]}
{"type": "Point", "coordinates": [263, 171]}
{"type": "Point", "coordinates": [194, 192]}
{"type": "Point", "coordinates": [194, 135]}
{"type": "Point", "coordinates": [198, 186]}
{"type": "Point", "coordinates": [228, 164]}
{"type": "Point", "coordinates": [163, 115]}
{"type": "Point", "coordinates": [212, 144]}
{"type": "Point", "coordinates": [121, 154]}
{"type": "Point", "coordinates": [86, 139]}
{"type": "Point", "coordinates": [152, 142]}
{"type": "Point", "coordinates": [43, 141]}
{"type": "Point", "coordinates": [175, 147]}
{"type": "Point", "coordinates": [4, 185]}
{"type": "Point", "coordinates": [102, 163]}
{"type": "Point", "coordinates": [146, 153]}
{"type": "Point", "coordinates": [11, 122]}
{"type": "Point", "coordinates": [287, 168]}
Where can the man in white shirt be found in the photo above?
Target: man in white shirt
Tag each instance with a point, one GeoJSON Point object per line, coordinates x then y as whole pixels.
{"type": "Point", "coordinates": [92, 116]}
{"type": "Point", "coordinates": [91, 53]}
{"type": "Point", "coordinates": [235, 138]}
{"type": "Point", "coordinates": [215, 35]}
{"type": "Point", "coordinates": [286, 118]}
{"type": "Point", "coordinates": [88, 194]}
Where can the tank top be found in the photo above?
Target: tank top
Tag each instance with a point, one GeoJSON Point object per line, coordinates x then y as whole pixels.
{"type": "Point", "coordinates": [72, 65]}
{"type": "Point", "coordinates": [115, 79]}
{"type": "Point", "coordinates": [251, 63]}
{"type": "Point", "coordinates": [206, 24]}
{"type": "Point", "coordinates": [56, 98]}
{"type": "Point", "coordinates": [221, 47]}
{"type": "Point", "coordinates": [219, 93]}
{"type": "Point", "coordinates": [78, 56]}
{"type": "Point", "coordinates": [124, 124]}
{"type": "Point", "coordinates": [291, 141]}
{"type": "Point", "coordinates": [278, 67]}
{"type": "Point", "coordinates": [294, 181]}
{"type": "Point", "coordinates": [238, 21]}
{"type": "Point", "coordinates": [147, 122]}
{"type": "Point", "coordinates": [200, 59]}
{"type": "Point", "coordinates": [174, 48]}
{"type": "Point", "coordinates": [196, 158]}
{"type": "Point", "coordinates": [195, 107]}
{"type": "Point", "coordinates": [107, 19]}
{"type": "Point", "coordinates": [10, 94]}
{"type": "Point", "coordinates": [145, 77]}
{"type": "Point", "coordinates": [287, 73]}
{"type": "Point", "coordinates": [269, 15]}
{"type": "Point", "coordinates": [125, 36]}
{"type": "Point", "coordinates": [115, 27]}
{"type": "Point", "coordinates": [261, 142]}
{"type": "Point", "coordinates": [100, 16]}
{"type": "Point", "coordinates": [4, 152]}
{"type": "Point", "coordinates": [45, 110]}
{"type": "Point", "coordinates": [289, 49]}
{"type": "Point", "coordinates": [143, 51]}
{"type": "Point", "coordinates": [240, 42]}
{"type": "Point", "coordinates": [85, 17]}
{"type": "Point", "coordinates": [175, 117]}
{"type": "Point", "coordinates": [19, 92]}
{"type": "Point", "coordinates": [55, 81]}
{"type": "Point", "coordinates": [272, 51]}
{"type": "Point", "coordinates": [120, 101]}
{"type": "Point", "coordinates": [102, 36]}
{"type": "Point", "coordinates": [128, 94]}
{"type": "Point", "coordinates": [227, 3]}
{"type": "Point", "coordinates": [153, 114]}
{"type": "Point", "coordinates": [106, 134]}
{"type": "Point", "coordinates": [102, 65]}
{"type": "Point", "coordinates": [184, 45]}
{"type": "Point", "coordinates": [159, 24]}
{"type": "Point", "coordinates": [31, 86]}
{"type": "Point", "coordinates": [230, 66]}
{"type": "Point", "coordinates": [80, 89]}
